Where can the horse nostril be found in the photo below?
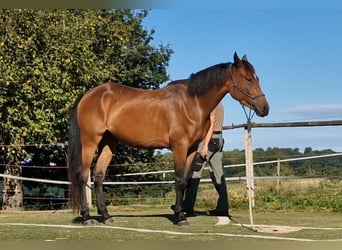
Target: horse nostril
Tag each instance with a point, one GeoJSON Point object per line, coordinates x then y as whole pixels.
{"type": "Point", "coordinates": [266, 110]}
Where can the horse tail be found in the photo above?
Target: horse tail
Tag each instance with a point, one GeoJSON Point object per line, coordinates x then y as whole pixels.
{"type": "Point", "coordinates": [74, 159]}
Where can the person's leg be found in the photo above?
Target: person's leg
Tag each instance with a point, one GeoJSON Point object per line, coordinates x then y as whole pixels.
{"type": "Point", "coordinates": [222, 206]}
{"type": "Point", "coordinates": [190, 196]}
{"type": "Point", "coordinates": [217, 176]}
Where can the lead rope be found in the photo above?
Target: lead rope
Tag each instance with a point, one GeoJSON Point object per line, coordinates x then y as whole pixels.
{"type": "Point", "coordinates": [250, 114]}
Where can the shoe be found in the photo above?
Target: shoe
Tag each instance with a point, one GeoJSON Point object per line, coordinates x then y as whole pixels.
{"type": "Point", "coordinates": [189, 213]}
{"type": "Point", "coordinates": [218, 213]}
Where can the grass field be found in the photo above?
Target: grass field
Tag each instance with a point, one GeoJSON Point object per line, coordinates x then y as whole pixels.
{"type": "Point", "coordinates": [155, 224]}
{"type": "Point", "coordinates": [309, 223]}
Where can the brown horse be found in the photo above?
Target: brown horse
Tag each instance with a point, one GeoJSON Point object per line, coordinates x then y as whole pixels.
{"type": "Point", "coordinates": [174, 117]}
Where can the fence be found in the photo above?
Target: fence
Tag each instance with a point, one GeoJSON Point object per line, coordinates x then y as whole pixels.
{"type": "Point", "coordinates": [249, 164]}
{"type": "Point", "coordinates": [249, 151]}
{"type": "Point", "coordinates": [277, 163]}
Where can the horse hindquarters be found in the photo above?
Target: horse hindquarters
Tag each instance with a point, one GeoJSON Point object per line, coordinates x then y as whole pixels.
{"type": "Point", "coordinates": [78, 177]}
{"type": "Point", "coordinates": [81, 149]}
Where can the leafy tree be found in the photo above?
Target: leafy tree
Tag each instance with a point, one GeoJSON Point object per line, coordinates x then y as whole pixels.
{"type": "Point", "coordinates": [50, 57]}
{"type": "Point", "coordinates": [307, 150]}
{"type": "Point", "coordinates": [331, 166]}
{"type": "Point", "coordinates": [231, 158]}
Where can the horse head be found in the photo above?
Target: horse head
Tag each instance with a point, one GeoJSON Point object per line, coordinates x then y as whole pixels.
{"type": "Point", "coordinates": [245, 86]}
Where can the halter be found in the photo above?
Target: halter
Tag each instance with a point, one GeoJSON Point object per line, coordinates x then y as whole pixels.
{"type": "Point", "coordinates": [236, 87]}
{"type": "Point", "coordinates": [251, 113]}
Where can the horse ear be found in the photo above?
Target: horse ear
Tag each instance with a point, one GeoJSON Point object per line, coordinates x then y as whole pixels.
{"type": "Point", "coordinates": [244, 58]}
{"type": "Point", "coordinates": [236, 59]}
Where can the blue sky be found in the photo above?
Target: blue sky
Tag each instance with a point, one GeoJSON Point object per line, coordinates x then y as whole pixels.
{"type": "Point", "coordinates": [297, 54]}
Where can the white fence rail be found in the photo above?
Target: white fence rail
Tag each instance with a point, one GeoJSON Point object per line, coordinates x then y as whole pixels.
{"type": "Point", "coordinates": [162, 172]}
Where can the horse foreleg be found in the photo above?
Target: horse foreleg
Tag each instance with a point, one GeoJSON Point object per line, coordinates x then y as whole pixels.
{"type": "Point", "coordinates": [179, 213]}
{"type": "Point", "coordinates": [101, 205]}
{"type": "Point", "coordinates": [99, 175]}
{"type": "Point", "coordinates": [183, 174]}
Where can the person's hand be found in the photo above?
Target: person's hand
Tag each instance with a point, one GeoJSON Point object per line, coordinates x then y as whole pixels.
{"type": "Point", "coordinates": [204, 152]}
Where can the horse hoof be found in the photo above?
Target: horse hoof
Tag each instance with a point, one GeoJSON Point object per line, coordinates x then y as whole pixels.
{"type": "Point", "coordinates": [183, 223]}
{"type": "Point", "coordinates": [89, 222]}
{"type": "Point", "coordinates": [109, 221]}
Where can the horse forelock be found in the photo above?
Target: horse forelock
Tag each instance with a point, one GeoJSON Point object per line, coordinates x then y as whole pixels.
{"type": "Point", "coordinates": [200, 82]}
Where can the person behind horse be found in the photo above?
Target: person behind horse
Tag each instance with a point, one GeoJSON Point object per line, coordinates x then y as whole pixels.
{"type": "Point", "coordinates": [209, 153]}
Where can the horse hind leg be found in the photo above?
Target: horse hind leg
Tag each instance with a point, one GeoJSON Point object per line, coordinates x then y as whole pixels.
{"type": "Point", "coordinates": [106, 149]}
{"type": "Point", "coordinates": [87, 158]}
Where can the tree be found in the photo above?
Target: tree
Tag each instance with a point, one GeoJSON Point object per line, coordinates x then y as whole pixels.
{"type": "Point", "coordinates": [50, 57]}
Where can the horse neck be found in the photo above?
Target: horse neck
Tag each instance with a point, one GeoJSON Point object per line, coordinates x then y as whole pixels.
{"type": "Point", "coordinates": [212, 98]}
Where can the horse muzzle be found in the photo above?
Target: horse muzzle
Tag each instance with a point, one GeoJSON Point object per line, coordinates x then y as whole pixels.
{"type": "Point", "coordinates": [261, 107]}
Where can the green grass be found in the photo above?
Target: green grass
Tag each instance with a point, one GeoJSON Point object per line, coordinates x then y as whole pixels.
{"type": "Point", "coordinates": [290, 195]}
{"type": "Point", "coordinates": [156, 220]}
{"type": "Point", "coordinates": [312, 204]}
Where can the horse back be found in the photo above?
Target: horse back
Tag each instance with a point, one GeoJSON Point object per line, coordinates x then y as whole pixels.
{"type": "Point", "coordinates": [138, 117]}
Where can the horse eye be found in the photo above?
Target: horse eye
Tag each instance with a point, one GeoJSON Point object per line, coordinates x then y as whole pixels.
{"type": "Point", "coordinates": [249, 79]}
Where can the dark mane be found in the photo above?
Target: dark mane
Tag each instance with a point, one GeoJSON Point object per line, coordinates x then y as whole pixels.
{"type": "Point", "coordinates": [200, 82]}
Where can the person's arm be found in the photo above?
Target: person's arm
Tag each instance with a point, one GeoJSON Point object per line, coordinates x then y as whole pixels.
{"type": "Point", "coordinates": [204, 150]}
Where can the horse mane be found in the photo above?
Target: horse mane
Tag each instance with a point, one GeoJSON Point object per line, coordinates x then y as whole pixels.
{"type": "Point", "coordinates": [200, 82]}
{"type": "Point", "coordinates": [249, 66]}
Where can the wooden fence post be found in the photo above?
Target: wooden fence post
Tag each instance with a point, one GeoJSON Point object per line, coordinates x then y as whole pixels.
{"type": "Point", "coordinates": [249, 171]}
{"type": "Point", "coordinates": [278, 175]}
{"type": "Point", "coordinates": [249, 163]}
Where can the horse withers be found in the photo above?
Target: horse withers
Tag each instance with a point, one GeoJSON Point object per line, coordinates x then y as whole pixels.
{"type": "Point", "coordinates": [175, 117]}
